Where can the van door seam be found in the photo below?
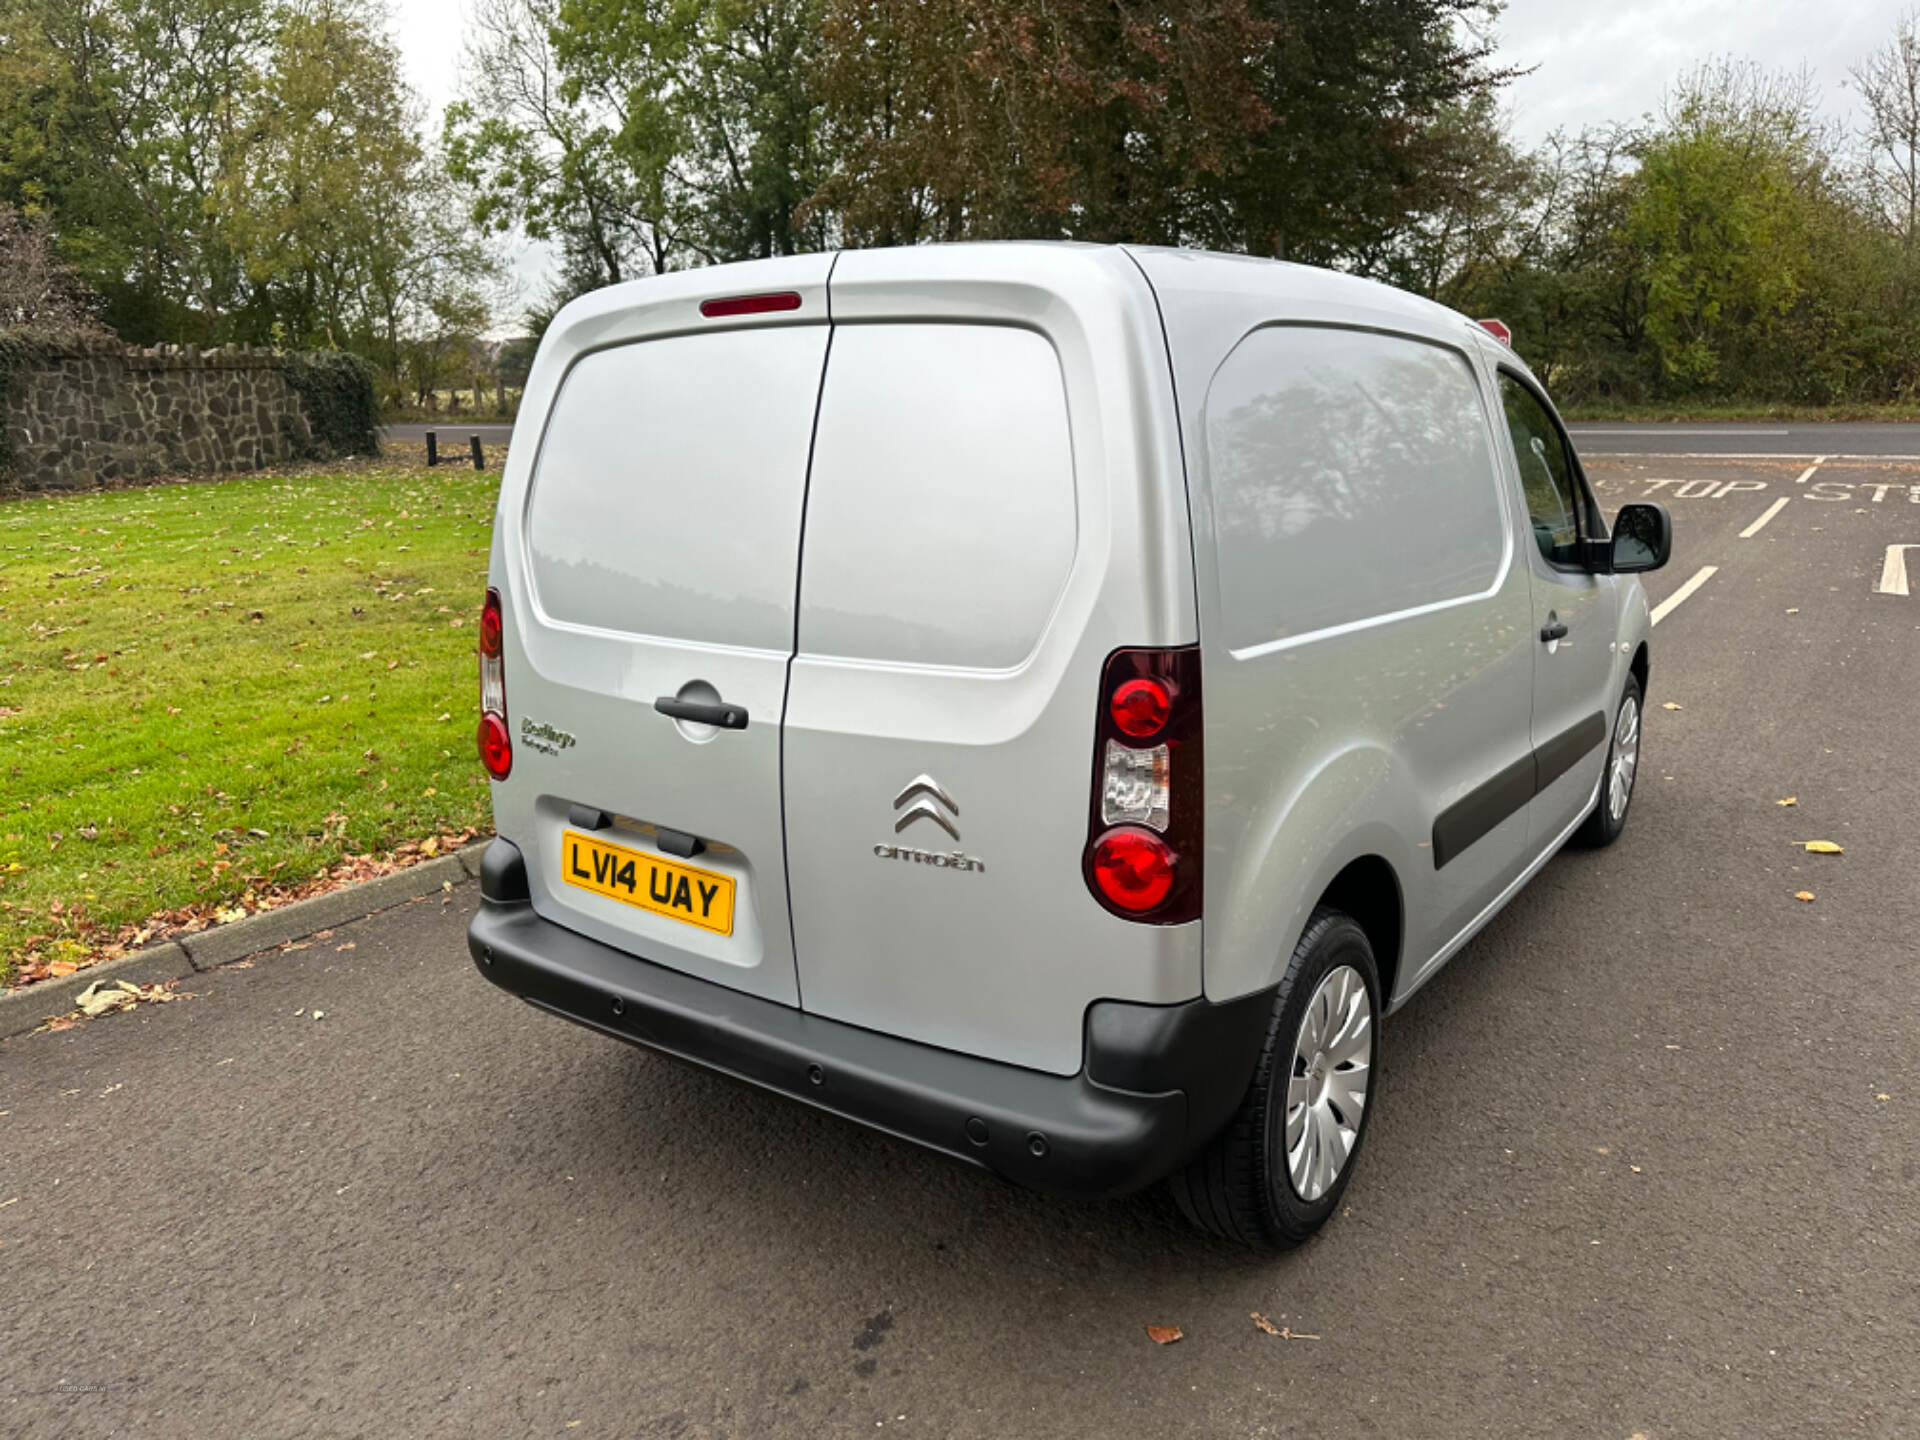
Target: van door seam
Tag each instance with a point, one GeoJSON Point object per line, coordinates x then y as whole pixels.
{"type": "Point", "coordinates": [786, 690]}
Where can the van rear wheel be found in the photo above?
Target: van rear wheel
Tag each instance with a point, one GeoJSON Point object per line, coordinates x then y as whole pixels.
{"type": "Point", "coordinates": [1277, 1171]}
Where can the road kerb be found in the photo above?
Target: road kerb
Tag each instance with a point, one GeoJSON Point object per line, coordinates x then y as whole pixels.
{"type": "Point", "coordinates": [28, 1007]}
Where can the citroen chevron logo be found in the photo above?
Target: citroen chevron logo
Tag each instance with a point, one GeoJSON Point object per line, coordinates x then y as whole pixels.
{"type": "Point", "coordinates": [928, 802]}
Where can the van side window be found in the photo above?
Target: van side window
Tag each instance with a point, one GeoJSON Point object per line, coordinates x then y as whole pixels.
{"type": "Point", "coordinates": [1352, 476]}
{"type": "Point", "coordinates": [1546, 473]}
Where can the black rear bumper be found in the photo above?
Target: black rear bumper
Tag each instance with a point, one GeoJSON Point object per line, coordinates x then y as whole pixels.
{"type": "Point", "coordinates": [1158, 1080]}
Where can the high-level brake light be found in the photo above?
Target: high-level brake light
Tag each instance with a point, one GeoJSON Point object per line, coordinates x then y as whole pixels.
{"type": "Point", "coordinates": [749, 304]}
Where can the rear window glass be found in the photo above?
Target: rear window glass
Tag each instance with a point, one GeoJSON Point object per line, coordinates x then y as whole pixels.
{"type": "Point", "coordinates": [940, 513]}
{"type": "Point", "coordinates": [670, 482]}
{"type": "Point", "coordinates": [1352, 476]}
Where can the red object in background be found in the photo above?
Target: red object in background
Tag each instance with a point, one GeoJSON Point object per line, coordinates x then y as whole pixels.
{"type": "Point", "coordinates": [1499, 330]}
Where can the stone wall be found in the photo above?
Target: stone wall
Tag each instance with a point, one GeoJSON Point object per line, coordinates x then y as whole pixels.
{"type": "Point", "coordinates": [84, 416]}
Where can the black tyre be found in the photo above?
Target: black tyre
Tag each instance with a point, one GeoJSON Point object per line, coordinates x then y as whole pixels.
{"type": "Point", "coordinates": [1609, 815]}
{"type": "Point", "coordinates": [1276, 1173]}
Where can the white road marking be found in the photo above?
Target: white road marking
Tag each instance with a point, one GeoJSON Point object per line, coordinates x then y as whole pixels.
{"type": "Point", "coordinates": [1807, 474]}
{"type": "Point", "coordinates": [1667, 606]}
{"type": "Point", "coordinates": [1736, 455]}
{"type": "Point", "coordinates": [1765, 515]}
{"type": "Point", "coordinates": [1578, 430]}
{"type": "Point", "coordinates": [1893, 571]}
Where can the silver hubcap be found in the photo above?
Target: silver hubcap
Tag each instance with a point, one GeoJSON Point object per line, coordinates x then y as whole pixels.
{"type": "Point", "coordinates": [1327, 1091]}
{"type": "Point", "coordinates": [1626, 755]}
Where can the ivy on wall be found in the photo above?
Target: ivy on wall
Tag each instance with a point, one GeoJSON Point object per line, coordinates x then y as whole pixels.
{"type": "Point", "coordinates": [336, 391]}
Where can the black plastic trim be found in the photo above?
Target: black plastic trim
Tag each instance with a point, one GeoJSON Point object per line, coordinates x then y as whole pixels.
{"type": "Point", "coordinates": [1566, 749]}
{"type": "Point", "coordinates": [503, 873]}
{"type": "Point", "coordinates": [1097, 1133]}
{"type": "Point", "coordinates": [1475, 814]}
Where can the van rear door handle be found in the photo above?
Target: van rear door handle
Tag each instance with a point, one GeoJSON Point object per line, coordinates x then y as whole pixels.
{"type": "Point", "coordinates": [1554, 629]}
{"type": "Point", "coordinates": [726, 717]}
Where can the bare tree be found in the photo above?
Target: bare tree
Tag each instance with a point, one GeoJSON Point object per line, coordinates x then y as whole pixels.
{"type": "Point", "coordinates": [38, 294]}
{"type": "Point", "coordinates": [1889, 81]}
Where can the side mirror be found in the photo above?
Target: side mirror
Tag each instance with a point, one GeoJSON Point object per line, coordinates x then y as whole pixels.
{"type": "Point", "coordinates": [1642, 538]}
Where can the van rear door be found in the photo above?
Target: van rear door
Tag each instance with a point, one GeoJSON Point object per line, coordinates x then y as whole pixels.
{"type": "Point", "coordinates": [991, 512]}
{"type": "Point", "coordinates": [660, 536]}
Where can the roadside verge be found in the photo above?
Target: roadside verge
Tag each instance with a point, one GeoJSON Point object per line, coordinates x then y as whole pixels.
{"type": "Point", "coordinates": [30, 1006]}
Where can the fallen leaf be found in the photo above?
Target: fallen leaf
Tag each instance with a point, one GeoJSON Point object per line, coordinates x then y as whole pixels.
{"type": "Point", "coordinates": [1634, 1168]}
{"type": "Point", "coordinates": [348, 946]}
{"type": "Point", "coordinates": [1669, 705]}
{"type": "Point", "coordinates": [1883, 1096]}
{"type": "Point", "coordinates": [1822, 847]}
{"type": "Point", "coordinates": [61, 967]}
{"type": "Point", "coordinates": [1790, 800]}
{"type": "Point", "coordinates": [319, 1014]}
{"type": "Point", "coordinates": [1803, 895]}
{"type": "Point", "coordinates": [1165, 1334]}
{"type": "Point", "coordinates": [1263, 1323]}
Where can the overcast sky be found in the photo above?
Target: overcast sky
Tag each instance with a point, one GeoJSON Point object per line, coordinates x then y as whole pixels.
{"type": "Point", "coordinates": [1593, 60]}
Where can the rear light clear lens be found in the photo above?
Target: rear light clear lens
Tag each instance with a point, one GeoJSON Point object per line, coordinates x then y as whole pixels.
{"type": "Point", "coordinates": [1134, 869]}
{"type": "Point", "coordinates": [1138, 787]}
{"type": "Point", "coordinates": [1141, 707]}
{"type": "Point", "coordinates": [493, 685]}
{"type": "Point", "coordinates": [493, 738]}
{"type": "Point", "coordinates": [496, 746]}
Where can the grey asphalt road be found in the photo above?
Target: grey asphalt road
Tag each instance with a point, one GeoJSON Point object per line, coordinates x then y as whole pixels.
{"type": "Point", "coordinates": [1644, 1161]}
{"type": "Point", "coordinates": [1759, 439]}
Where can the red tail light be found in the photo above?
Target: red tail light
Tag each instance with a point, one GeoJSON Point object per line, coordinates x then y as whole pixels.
{"type": "Point", "coordinates": [1133, 868]}
{"type": "Point", "coordinates": [1144, 835]}
{"type": "Point", "coordinates": [494, 739]}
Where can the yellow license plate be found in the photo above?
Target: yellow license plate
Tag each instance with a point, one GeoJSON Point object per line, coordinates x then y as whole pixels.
{"type": "Point", "coordinates": [649, 882]}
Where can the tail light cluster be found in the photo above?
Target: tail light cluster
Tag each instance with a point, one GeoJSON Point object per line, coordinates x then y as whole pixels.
{"type": "Point", "coordinates": [495, 740]}
{"type": "Point", "coordinates": [1144, 837]}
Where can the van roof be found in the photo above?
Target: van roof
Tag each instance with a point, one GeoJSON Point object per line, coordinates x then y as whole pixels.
{"type": "Point", "coordinates": [1283, 286]}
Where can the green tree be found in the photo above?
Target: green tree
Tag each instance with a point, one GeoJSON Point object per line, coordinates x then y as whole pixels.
{"type": "Point", "coordinates": [537, 149]}
{"type": "Point", "coordinates": [117, 118]}
{"type": "Point", "coordinates": [1727, 206]}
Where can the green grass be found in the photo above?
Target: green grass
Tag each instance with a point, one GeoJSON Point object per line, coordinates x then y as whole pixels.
{"type": "Point", "coordinates": [1735, 413]}
{"type": "Point", "coordinates": [210, 689]}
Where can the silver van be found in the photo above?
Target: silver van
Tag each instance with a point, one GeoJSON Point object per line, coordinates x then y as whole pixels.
{"type": "Point", "coordinates": [1046, 702]}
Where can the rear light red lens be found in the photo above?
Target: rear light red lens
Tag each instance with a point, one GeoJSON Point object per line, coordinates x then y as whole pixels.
{"type": "Point", "coordinates": [1141, 707]}
{"type": "Point", "coordinates": [496, 745]}
{"type": "Point", "coordinates": [1134, 869]}
{"type": "Point", "coordinates": [490, 625]}
{"type": "Point", "coordinates": [749, 305]}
